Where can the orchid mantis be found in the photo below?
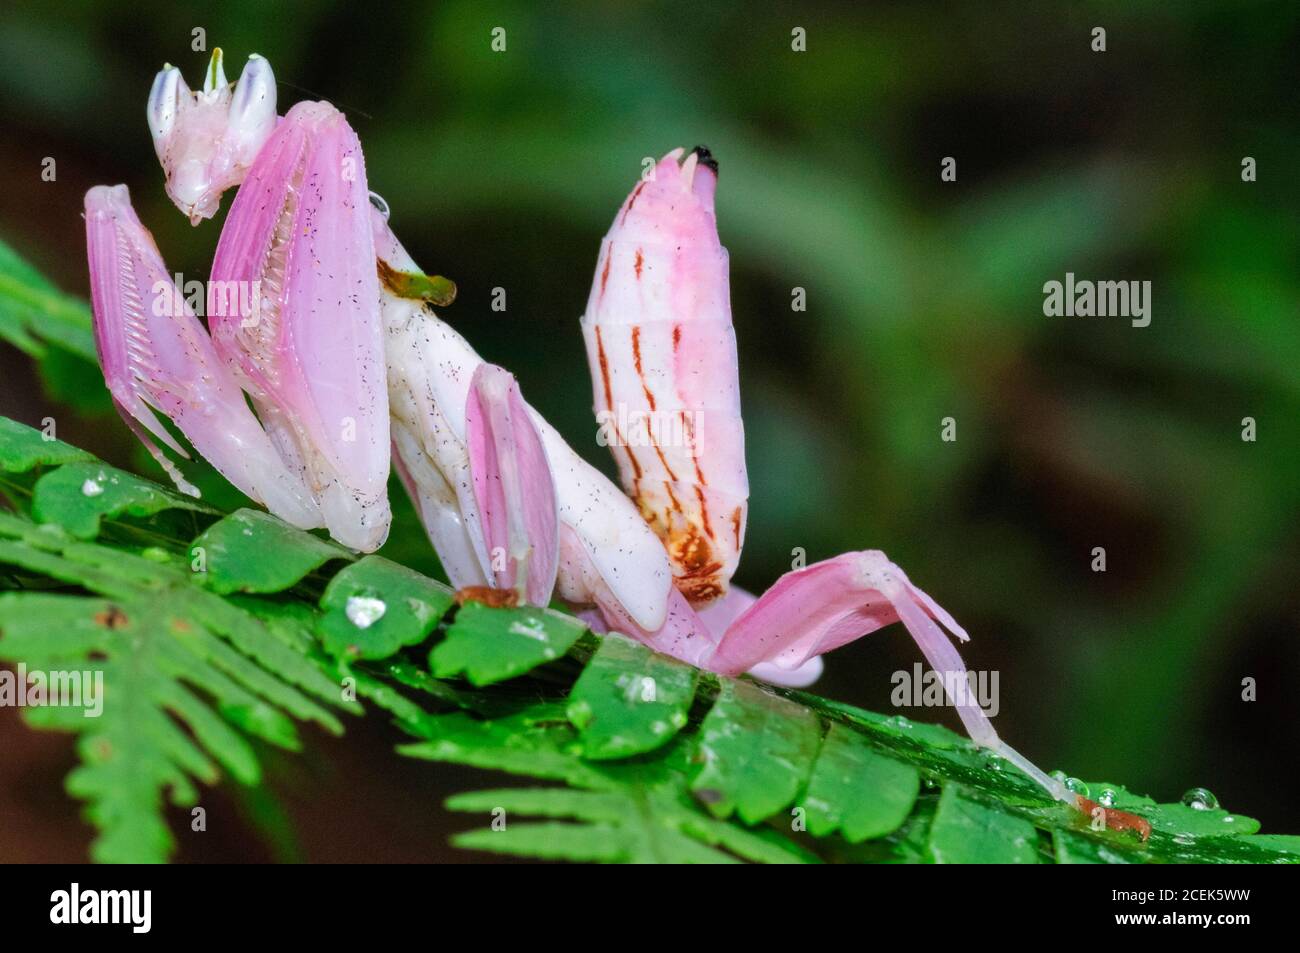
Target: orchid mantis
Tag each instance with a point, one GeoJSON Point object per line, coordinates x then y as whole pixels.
{"type": "Point", "coordinates": [340, 329]}
{"type": "Point", "coordinates": [347, 365]}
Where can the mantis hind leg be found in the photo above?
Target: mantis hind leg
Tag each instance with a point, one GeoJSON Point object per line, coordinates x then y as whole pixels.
{"type": "Point", "coordinates": [810, 611]}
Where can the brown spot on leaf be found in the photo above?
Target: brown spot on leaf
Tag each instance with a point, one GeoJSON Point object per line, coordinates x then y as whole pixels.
{"type": "Point", "coordinates": [486, 595]}
{"type": "Point", "coordinates": [112, 618]}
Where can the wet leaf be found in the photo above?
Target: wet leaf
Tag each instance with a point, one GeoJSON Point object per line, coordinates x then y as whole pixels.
{"type": "Point", "coordinates": [857, 791]}
{"type": "Point", "coordinates": [375, 607]}
{"type": "Point", "coordinates": [489, 645]}
{"type": "Point", "coordinates": [629, 700]}
{"type": "Point", "coordinates": [79, 495]}
{"type": "Point", "coordinates": [252, 551]}
{"type": "Point", "coordinates": [755, 752]}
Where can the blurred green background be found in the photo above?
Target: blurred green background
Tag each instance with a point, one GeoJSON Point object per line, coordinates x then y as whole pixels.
{"type": "Point", "coordinates": [924, 301]}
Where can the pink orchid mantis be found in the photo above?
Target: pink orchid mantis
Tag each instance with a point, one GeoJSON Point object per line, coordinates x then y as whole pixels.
{"type": "Point", "coordinates": [344, 358]}
{"type": "Point", "coordinates": [293, 305]}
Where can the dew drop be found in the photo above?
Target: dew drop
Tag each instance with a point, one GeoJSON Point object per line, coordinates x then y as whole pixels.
{"type": "Point", "coordinates": [91, 488]}
{"type": "Point", "coordinates": [1106, 798]}
{"type": "Point", "coordinates": [1077, 786]}
{"type": "Point", "coordinates": [363, 611]}
{"type": "Point", "coordinates": [1200, 799]}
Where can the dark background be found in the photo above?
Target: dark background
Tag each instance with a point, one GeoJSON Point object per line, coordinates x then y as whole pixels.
{"type": "Point", "coordinates": [924, 301]}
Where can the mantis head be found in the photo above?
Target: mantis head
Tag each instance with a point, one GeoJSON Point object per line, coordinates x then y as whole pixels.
{"type": "Point", "coordinates": [206, 139]}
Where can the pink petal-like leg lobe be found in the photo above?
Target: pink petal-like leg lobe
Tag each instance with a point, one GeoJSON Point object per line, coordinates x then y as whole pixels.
{"type": "Point", "coordinates": [719, 615]}
{"type": "Point", "coordinates": [691, 635]}
{"type": "Point", "coordinates": [828, 604]}
{"type": "Point", "coordinates": [156, 356]}
{"type": "Point", "coordinates": [662, 352]}
{"type": "Point", "coordinates": [293, 304]}
{"type": "Point", "coordinates": [513, 487]}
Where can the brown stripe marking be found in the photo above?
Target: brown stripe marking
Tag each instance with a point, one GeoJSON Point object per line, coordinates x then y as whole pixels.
{"type": "Point", "coordinates": [604, 373]}
{"type": "Point", "coordinates": [640, 260]}
{"type": "Point", "coordinates": [664, 460]}
{"type": "Point", "coordinates": [649, 396]}
{"type": "Point", "coordinates": [704, 507]}
{"type": "Point", "coordinates": [636, 470]}
{"type": "Point", "coordinates": [700, 482]}
{"type": "Point", "coordinates": [735, 524]}
{"type": "Point", "coordinates": [604, 275]}
{"type": "Point", "coordinates": [636, 359]}
{"type": "Point", "coordinates": [622, 441]}
{"type": "Point", "coordinates": [632, 201]}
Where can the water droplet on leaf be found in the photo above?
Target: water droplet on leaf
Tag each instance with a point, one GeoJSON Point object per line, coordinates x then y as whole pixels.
{"type": "Point", "coordinates": [363, 611]}
{"type": "Point", "coordinates": [1200, 799]}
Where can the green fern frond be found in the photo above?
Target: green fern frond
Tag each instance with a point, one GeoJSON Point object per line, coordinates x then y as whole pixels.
{"type": "Point", "coordinates": [211, 630]}
{"type": "Point", "coordinates": [185, 674]}
{"type": "Point", "coordinates": [632, 824]}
